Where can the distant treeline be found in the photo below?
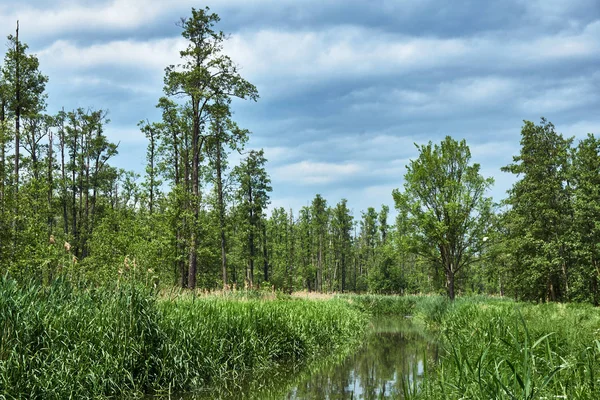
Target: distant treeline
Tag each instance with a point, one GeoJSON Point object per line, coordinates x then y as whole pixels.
{"type": "Point", "coordinates": [193, 220]}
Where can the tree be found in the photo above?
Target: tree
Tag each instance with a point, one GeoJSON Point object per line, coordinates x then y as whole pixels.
{"type": "Point", "coordinates": [383, 224]}
{"type": "Point", "coordinates": [540, 212]}
{"type": "Point", "coordinates": [205, 75]}
{"type": "Point", "coordinates": [225, 134]}
{"type": "Point", "coordinates": [153, 183]}
{"type": "Point", "coordinates": [445, 206]}
{"type": "Point", "coordinates": [254, 186]}
{"type": "Point", "coordinates": [586, 228]}
{"type": "Point", "coordinates": [24, 89]}
{"type": "Point", "coordinates": [366, 247]}
{"type": "Point", "coordinates": [341, 222]}
{"type": "Point", "coordinates": [320, 220]}
{"type": "Point", "coordinates": [4, 137]}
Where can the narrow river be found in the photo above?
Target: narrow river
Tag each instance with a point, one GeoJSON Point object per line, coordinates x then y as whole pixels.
{"type": "Point", "coordinates": [392, 359]}
{"type": "Point", "coordinates": [394, 354]}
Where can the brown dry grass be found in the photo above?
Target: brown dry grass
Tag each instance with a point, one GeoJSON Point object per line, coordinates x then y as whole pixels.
{"type": "Point", "coordinates": [313, 295]}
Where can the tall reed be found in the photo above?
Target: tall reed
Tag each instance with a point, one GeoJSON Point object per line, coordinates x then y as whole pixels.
{"type": "Point", "coordinates": [61, 341]}
{"type": "Point", "coordinates": [498, 349]}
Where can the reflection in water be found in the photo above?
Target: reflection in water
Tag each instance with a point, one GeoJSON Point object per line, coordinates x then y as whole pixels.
{"type": "Point", "coordinates": [393, 355]}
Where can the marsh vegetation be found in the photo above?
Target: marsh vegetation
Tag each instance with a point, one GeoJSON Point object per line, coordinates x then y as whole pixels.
{"type": "Point", "coordinates": [107, 276]}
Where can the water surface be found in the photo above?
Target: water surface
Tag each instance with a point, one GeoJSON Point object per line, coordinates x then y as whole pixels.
{"type": "Point", "coordinates": [394, 354]}
{"type": "Point", "coordinates": [392, 359]}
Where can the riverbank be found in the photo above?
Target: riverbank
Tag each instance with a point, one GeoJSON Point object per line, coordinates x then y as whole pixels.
{"type": "Point", "coordinates": [496, 348]}
{"type": "Point", "coordinates": [60, 341]}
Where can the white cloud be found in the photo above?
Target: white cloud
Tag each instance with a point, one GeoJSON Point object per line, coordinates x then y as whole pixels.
{"type": "Point", "coordinates": [347, 51]}
{"type": "Point", "coordinates": [154, 55]}
{"type": "Point", "coordinates": [309, 172]}
{"type": "Point", "coordinates": [74, 17]}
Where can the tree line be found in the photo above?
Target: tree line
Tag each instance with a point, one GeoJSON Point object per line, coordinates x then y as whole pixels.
{"type": "Point", "coordinates": [192, 219]}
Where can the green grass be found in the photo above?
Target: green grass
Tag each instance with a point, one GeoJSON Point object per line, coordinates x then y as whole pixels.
{"type": "Point", "coordinates": [61, 341]}
{"type": "Point", "coordinates": [496, 348]}
{"type": "Point", "coordinates": [499, 349]}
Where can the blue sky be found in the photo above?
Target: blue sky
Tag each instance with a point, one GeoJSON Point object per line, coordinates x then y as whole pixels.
{"type": "Point", "coordinates": [346, 86]}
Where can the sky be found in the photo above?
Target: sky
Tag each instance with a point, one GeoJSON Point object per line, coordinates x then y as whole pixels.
{"type": "Point", "coordinates": [347, 87]}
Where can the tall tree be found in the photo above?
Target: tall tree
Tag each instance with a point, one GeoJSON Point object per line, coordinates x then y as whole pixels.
{"type": "Point", "coordinates": [24, 91]}
{"type": "Point", "coordinates": [586, 205]}
{"type": "Point", "coordinates": [205, 75]}
{"type": "Point", "coordinates": [445, 206]}
{"type": "Point", "coordinates": [225, 135]}
{"type": "Point", "coordinates": [253, 198]}
{"type": "Point", "coordinates": [4, 137]}
{"type": "Point", "coordinates": [383, 224]}
{"type": "Point", "coordinates": [341, 222]}
{"type": "Point", "coordinates": [320, 221]}
{"type": "Point", "coordinates": [540, 212]}
{"type": "Point", "coordinates": [153, 182]}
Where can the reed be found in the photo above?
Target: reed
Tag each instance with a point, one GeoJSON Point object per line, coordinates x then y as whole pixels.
{"type": "Point", "coordinates": [62, 341]}
{"type": "Point", "coordinates": [497, 348]}
{"type": "Point", "coordinates": [500, 349]}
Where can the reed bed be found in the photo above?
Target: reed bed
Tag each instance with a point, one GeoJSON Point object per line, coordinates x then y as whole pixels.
{"type": "Point", "coordinates": [61, 341]}
{"type": "Point", "coordinates": [497, 348]}
{"type": "Point", "coordinates": [500, 349]}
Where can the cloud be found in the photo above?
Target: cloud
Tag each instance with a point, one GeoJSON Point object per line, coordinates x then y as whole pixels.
{"type": "Point", "coordinates": [347, 86]}
{"type": "Point", "coordinates": [52, 18]}
{"type": "Point", "coordinates": [563, 95]}
{"type": "Point", "coordinates": [310, 172]}
{"type": "Point", "coordinates": [154, 55]}
{"type": "Point", "coordinates": [348, 51]}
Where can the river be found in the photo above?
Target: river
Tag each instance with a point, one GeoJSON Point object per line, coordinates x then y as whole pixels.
{"type": "Point", "coordinates": [392, 359]}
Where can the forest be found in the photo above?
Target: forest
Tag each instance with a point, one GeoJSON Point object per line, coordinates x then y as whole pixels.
{"type": "Point", "coordinates": [194, 220]}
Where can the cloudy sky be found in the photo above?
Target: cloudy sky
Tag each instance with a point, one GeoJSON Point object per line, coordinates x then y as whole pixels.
{"type": "Point", "coordinates": [346, 86]}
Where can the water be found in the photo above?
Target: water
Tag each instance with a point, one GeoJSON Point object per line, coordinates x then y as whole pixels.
{"type": "Point", "coordinates": [392, 359]}
{"type": "Point", "coordinates": [394, 354]}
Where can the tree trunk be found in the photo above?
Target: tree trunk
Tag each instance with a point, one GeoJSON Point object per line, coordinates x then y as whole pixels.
{"type": "Point", "coordinates": [184, 265]}
{"type": "Point", "coordinates": [265, 255]}
{"type": "Point", "coordinates": [221, 205]}
{"type": "Point", "coordinates": [74, 182]}
{"type": "Point", "coordinates": [17, 137]}
{"type": "Point", "coordinates": [61, 137]}
{"type": "Point", "coordinates": [450, 282]}
{"type": "Point", "coordinates": [250, 274]}
{"type": "Point", "coordinates": [320, 265]}
{"type": "Point", "coordinates": [196, 145]}
{"type": "Point", "coordinates": [2, 149]}
{"type": "Point", "coordinates": [179, 248]}
{"type": "Point", "coordinates": [151, 172]}
{"type": "Point", "coordinates": [17, 120]}
{"type": "Point", "coordinates": [290, 242]}
{"type": "Point", "coordinates": [81, 166]}
{"type": "Point", "coordinates": [87, 227]}
{"type": "Point", "coordinates": [50, 159]}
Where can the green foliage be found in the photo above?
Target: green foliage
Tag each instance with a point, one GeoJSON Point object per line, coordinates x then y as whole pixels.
{"type": "Point", "coordinates": [586, 229]}
{"type": "Point", "coordinates": [499, 349]}
{"type": "Point", "coordinates": [195, 220]}
{"type": "Point", "coordinates": [444, 208]}
{"type": "Point", "coordinates": [379, 305]}
{"type": "Point", "coordinates": [62, 341]}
